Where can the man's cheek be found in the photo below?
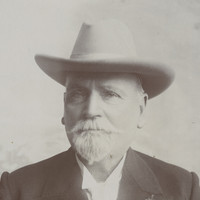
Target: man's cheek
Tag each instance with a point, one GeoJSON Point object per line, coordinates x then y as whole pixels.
{"type": "Point", "coordinates": [74, 111]}
{"type": "Point", "coordinates": [70, 121]}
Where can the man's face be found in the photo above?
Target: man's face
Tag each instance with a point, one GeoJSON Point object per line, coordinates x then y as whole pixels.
{"type": "Point", "coordinates": [102, 112]}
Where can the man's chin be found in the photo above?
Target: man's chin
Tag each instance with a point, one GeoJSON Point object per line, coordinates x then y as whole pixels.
{"type": "Point", "coordinates": [90, 156]}
{"type": "Point", "coordinates": [91, 160]}
{"type": "Point", "coordinates": [93, 145]}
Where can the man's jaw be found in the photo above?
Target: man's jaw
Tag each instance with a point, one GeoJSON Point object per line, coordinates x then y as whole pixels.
{"type": "Point", "coordinates": [93, 140]}
{"type": "Point", "coordinates": [92, 146]}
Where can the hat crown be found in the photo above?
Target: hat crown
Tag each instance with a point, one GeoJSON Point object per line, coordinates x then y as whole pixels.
{"type": "Point", "coordinates": [105, 39]}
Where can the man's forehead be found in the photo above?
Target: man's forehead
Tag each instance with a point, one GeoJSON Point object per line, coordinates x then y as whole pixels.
{"type": "Point", "coordinates": [101, 76]}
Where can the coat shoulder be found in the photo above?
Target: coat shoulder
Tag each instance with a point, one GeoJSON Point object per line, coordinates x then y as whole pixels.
{"type": "Point", "coordinates": [31, 180]}
{"type": "Point", "coordinates": [45, 166]}
{"type": "Point", "coordinates": [158, 165]}
{"type": "Point", "coordinates": [173, 179]}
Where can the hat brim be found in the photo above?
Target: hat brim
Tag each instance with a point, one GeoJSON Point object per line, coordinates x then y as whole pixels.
{"type": "Point", "coordinates": [155, 77]}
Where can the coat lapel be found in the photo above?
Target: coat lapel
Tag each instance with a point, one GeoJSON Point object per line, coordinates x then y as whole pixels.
{"type": "Point", "coordinates": [64, 183]}
{"type": "Point", "coordinates": [138, 181]}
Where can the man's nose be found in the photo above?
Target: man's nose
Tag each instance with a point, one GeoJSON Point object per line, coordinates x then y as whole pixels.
{"type": "Point", "coordinates": [92, 107]}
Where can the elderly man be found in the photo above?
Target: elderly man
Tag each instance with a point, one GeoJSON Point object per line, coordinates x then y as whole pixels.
{"type": "Point", "coordinates": [107, 89]}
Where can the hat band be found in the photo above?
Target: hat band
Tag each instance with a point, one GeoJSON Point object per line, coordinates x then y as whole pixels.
{"type": "Point", "coordinates": [96, 56]}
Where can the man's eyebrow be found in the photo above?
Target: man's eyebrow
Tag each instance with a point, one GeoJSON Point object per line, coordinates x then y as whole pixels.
{"type": "Point", "coordinates": [112, 88]}
{"type": "Point", "coordinates": [75, 86]}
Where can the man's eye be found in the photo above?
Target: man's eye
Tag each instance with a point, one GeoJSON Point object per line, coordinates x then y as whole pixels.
{"type": "Point", "coordinates": [76, 96]}
{"type": "Point", "coordinates": [111, 94]}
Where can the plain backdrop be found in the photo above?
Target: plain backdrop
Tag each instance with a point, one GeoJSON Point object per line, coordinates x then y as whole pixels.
{"type": "Point", "coordinates": [31, 104]}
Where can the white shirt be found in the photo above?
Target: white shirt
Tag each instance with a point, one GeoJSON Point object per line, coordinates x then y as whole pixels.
{"type": "Point", "coordinates": [107, 190]}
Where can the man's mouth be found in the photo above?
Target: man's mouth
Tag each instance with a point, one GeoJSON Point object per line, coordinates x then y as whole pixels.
{"type": "Point", "coordinates": [81, 131]}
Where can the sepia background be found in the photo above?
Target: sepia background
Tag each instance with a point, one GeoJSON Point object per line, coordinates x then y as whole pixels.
{"type": "Point", "coordinates": [31, 104]}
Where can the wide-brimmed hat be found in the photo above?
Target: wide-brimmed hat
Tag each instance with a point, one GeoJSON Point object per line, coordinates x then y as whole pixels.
{"type": "Point", "coordinates": [107, 47]}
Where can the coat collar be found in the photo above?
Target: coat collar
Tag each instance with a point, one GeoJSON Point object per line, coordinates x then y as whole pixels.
{"type": "Point", "coordinates": [64, 179]}
{"type": "Point", "coordinates": [138, 180]}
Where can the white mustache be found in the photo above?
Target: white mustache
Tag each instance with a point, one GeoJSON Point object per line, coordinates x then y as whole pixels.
{"type": "Point", "coordinates": [94, 125]}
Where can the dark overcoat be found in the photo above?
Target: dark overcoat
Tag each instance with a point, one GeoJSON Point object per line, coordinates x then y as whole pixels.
{"type": "Point", "coordinates": [59, 178]}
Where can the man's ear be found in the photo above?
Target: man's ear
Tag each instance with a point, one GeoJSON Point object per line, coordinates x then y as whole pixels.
{"type": "Point", "coordinates": [143, 105]}
{"type": "Point", "coordinates": [63, 121]}
{"type": "Point", "coordinates": [64, 99]}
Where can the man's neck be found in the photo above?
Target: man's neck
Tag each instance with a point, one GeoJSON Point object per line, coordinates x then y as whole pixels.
{"type": "Point", "coordinates": [102, 169]}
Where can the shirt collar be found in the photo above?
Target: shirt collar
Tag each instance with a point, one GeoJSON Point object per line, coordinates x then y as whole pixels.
{"type": "Point", "coordinates": [90, 182]}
